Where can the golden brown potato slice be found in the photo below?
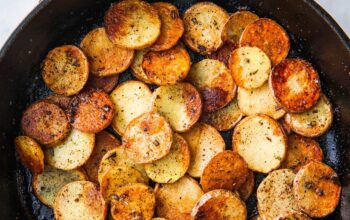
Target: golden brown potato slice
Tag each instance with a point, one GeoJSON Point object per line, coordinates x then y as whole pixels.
{"type": "Point", "coordinates": [45, 122]}
{"type": "Point", "coordinates": [180, 104]}
{"type": "Point", "coordinates": [136, 201]}
{"type": "Point", "coordinates": [223, 54]}
{"type": "Point", "coordinates": [261, 142]}
{"type": "Point", "coordinates": [269, 36]}
{"type": "Point", "coordinates": [293, 215]}
{"type": "Point", "coordinates": [248, 186]}
{"type": "Point", "coordinates": [213, 79]}
{"type": "Point", "coordinates": [317, 189]}
{"type": "Point", "coordinates": [203, 23]}
{"type": "Point", "coordinates": [132, 24]}
{"type": "Point", "coordinates": [257, 217]}
{"type": "Point", "coordinates": [105, 83]}
{"type": "Point", "coordinates": [313, 122]}
{"type": "Point", "coordinates": [73, 152]}
{"type": "Point", "coordinates": [136, 66]}
{"type": "Point", "coordinates": [176, 200]}
{"type": "Point", "coordinates": [219, 204]}
{"type": "Point", "coordinates": [80, 200]}
{"type": "Point", "coordinates": [166, 67]}
{"type": "Point", "coordinates": [47, 184]}
{"type": "Point", "coordinates": [159, 218]}
{"type": "Point", "coordinates": [204, 142]}
{"type": "Point", "coordinates": [30, 153]}
{"type": "Point", "coordinates": [60, 100]}
{"type": "Point", "coordinates": [172, 26]}
{"type": "Point", "coordinates": [65, 70]}
{"type": "Point", "coordinates": [295, 85]}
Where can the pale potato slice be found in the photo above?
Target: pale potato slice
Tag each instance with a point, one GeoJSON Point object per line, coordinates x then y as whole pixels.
{"type": "Point", "coordinates": [247, 187]}
{"type": "Point", "coordinates": [173, 166]}
{"type": "Point", "coordinates": [180, 104]}
{"type": "Point", "coordinates": [275, 194]}
{"type": "Point", "coordinates": [136, 66]}
{"type": "Point", "coordinates": [176, 200]}
{"type": "Point", "coordinates": [292, 215]}
{"type": "Point", "coordinates": [130, 100]}
{"type": "Point", "coordinates": [213, 79]}
{"type": "Point", "coordinates": [132, 24]}
{"type": "Point", "coordinates": [73, 152]}
{"type": "Point", "coordinates": [259, 100]}
{"type": "Point", "coordinates": [219, 204]}
{"type": "Point", "coordinates": [80, 200]}
{"type": "Point", "coordinates": [204, 142]}
{"type": "Point", "coordinates": [317, 189]}
{"type": "Point", "coordinates": [204, 23]}
{"type": "Point", "coordinates": [30, 153]}
{"type": "Point", "coordinates": [47, 184]}
{"type": "Point", "coordinates": [261, 142]}
{"type": "Point", "coordinates": [313, 122]}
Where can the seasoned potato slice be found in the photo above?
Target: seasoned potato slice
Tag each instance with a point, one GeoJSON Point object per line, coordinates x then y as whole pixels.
{"type": "Point", "coordinates": [47, 184]}
{"type": "Point", "coordinates": [105, 83]}
{"type": "Point", "coordinates": [248, 186]}
{"type": "Point", "coordinates": [173, 166]}
{"type": "Point", "coordinates": [313, 122]}
{"type": "Point", "coordinates": [259, 100]}
{"type": "Point", "coordinates": [45, 122]}
{"type": "Point", "coordinates": [65, 70]}
{"type": "Point", "coordinates": [60, 100]}
{"type": "Point", "coordinates": [136, 201]}
{"type": "Point", "coordinates": [223, 54]}
{"type": "Point", "coordinates": [292, 215]}
{"type": "Point", "coordinates": [275, 194]}
{"type": "Point", "coordinates": [130, 100]}
{"type": "Point", "coordinates": [317, 189]}
{"type": "Point", "coordinates": [176, 200]}
{"type": "Point", "coordinates": [132, 24]}
{"type": "Point", "coordinates": [261, 142]}
{"type": "Point", "coordinates": [257, 217]}
{"type": "Point", "coordinates": [214, 81]}
{"type": "Point", "coordinates": [159, 219]}
{"type": "Point", "coordinates": [204, 142]}
{"type": "Point", "coordinates": [73, 152]}
{"type": "Point", "coordinates": [180, 104]}
{"type": "Point", "coordinates": [219, 204]}
{"type": "Point", "coordinates": [30, 153]}
{"type": "Point", "coordinates": [80, 200]}
{"type": "Point", "coordinates": [295, 85]}
{"type": "Point", "coordinates": [269, 36]}
{"type": "Point", "coordinates": [204, 22]}
{"type": "Point", "coordinates": [136, 66]}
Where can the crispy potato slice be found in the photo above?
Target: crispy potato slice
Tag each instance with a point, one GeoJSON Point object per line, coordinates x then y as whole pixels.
{"type": "Point", "coordinates": [317, 189]}
{"type": "Point", "coordinates": [130, 100]}
{"type": "Point", "coordinates": [176, 200]}
{"type": "Point", "coordinates": [166, 67]}
{"type": "Point", "coordinates": [30, 153]}
{"type": "Point", "coordinates": [132, 24]}
{"type": "Point", "coordinates": [259, 100]}
{"type": "Point", "coordinates": [295, 85]}
{"type": "Point", "coordinates": [207, 18]}
{"type": "Point", "coordinates": [65, 70]}
{"type": "Point", "coordinates": [73, 152]}
{"type": "Point", "coordinates": [292, 215]}
{"type": "Point", "coordinates": [136, 66]}
{"type": "Point", "coordinates": [136, 201]}
{"type": "Point", "coordinates": [173, 166]}
{"type": "Point", "coordinates": [269, 36]}
{"type": "Point", "coordinates": [180, 104]}
{"type": "Point", "coordinates": [80, 200]}
{"type": "Point", "coordinates": [248, 186]}
{"type": "Point", "coordinates": [219, 204]}
{"type": "Point", "coordinates": [261, 142]}
{"type": "Point", "coordinates": [257, 217]}
{"type": "Point", "coordinates": [223, 54]}
{"type": "Point", "coordinates": [47, 184]}
{"type": "Point", "coordinates": [45, 122]}
{"type": "Point", "coordinates": [172, 26]}
{"type": "Point", "coordinates": [105, 83]}
{"type": "Point", "coordinates": [60, 100]}
{"type": "Point", "coordinates": [213, 79]}
{"type": "Point", "coordinates": [275, 194]}
{"type": "Point", "coordinates": [313, 122]}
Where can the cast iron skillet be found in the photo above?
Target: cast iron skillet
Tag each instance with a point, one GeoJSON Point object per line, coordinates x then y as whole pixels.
{"type": "Point", "coordinates": [314, 34]}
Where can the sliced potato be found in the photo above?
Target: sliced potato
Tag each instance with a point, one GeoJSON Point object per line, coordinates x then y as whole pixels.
{"type": "Point", "coordinates": [248, 186]}
{"type": "Point", "coordinates": [213, 79]}
{"type": "Point", "coordinates": [73, 152]}
{"type": "Point", "coordinates": [132, 24]}
{"type": "Point", "coordinates": [317, 189]}
{"type": "Point", "coordinates": [65, 70]}
{"type": "Point", "coordinates": [60, 100]}
{"type": "Point", "coordinates": [223, 54]}
{"type": "Point", "coordinates": [204, 22]}
{"type": "Point", "coordinates": [313, 122]}
{"type": "Point", "coordinates": [47, 184]}
{"type": "Point", "coordinates": [105, 83]}
{"type": "Point", "coordinates": [180, 104]}
{"type": "Point", "coordinates": [286, 128]}
{"type": "Point", "coordinates": [159, 218]}
{"type": "Point", "coordinates": [30, 153]}
{"type": "Point", "coordinates": [130, 100]}
{"type": "Point", "coordinates": [261, 142]}
{"type": "Point", "coordinates": [136, 66]}
{"type": "Point", "coordinates": [219, 204]}
{"type": "Point", "coordinates": [176, 200]}
{"type": "Point", "coordinates": [292, 215]}
{"type": "Point", "coordinates": [257, 217]}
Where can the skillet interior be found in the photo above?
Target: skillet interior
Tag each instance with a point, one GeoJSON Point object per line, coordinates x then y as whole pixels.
{"type": "Point", "coordinates": [315, 37]}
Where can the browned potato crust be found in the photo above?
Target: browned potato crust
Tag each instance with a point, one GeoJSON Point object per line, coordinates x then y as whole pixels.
{"type": "Point", "coordinates": [60, 100]}
{"type": "Point", "coordinates": [136, 66]}
{"type": "Point", "coordinates": [30, 153]}
{"type": "Point", "coordinates": [248, 186]}
{"type": "Point", "coordinates": [105, 83]}
{"type": "Point", "coordinates": [292, 215]}
{"type": "Point", "coordinates": [286, 128]}
{"type": "Point", "coordinates": [223, 53]}
{"type": "Point", "coordinates": [257, 217]}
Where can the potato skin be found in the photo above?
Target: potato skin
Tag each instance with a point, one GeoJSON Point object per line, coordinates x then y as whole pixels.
{"type": "Point", "coordinates": [105, 83]}
{"type": "Point", "coordinates": [136, 66]}
{"type": "Point", "coordinates": [223, 53]}
{"type": "Point", "coordinates": [30, 153]}
{"type": "Point", "coordinates": [247, 187]}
